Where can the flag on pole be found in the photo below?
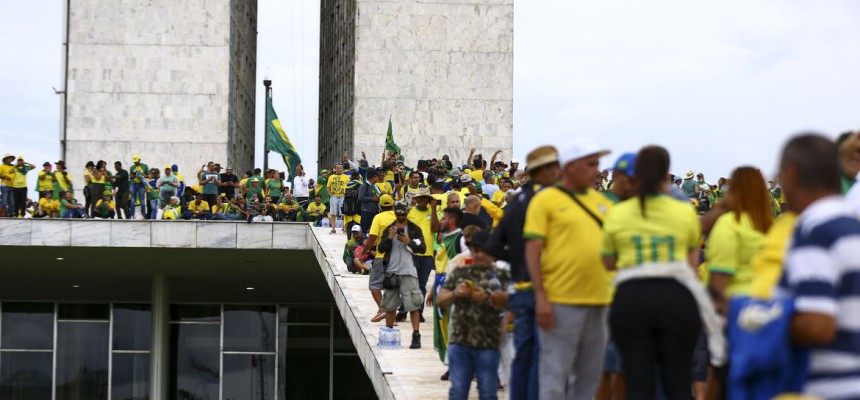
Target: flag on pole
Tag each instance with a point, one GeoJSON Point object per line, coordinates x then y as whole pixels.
{"type": "Point", "coordinates": [389, 140]}
{"type": "Point", "coordinates": [277, 140]}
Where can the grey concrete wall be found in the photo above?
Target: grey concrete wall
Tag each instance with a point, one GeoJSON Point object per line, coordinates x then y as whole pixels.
{"type": "Point", "coordinates": [443, 71]}
{"type": "Point", "coordinates": [154, 78]}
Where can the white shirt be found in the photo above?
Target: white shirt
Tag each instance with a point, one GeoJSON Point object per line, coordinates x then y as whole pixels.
{"type": "Point", "coordinates": [853, 199]}
{"type": "Point", "coordinates": [301, 186]}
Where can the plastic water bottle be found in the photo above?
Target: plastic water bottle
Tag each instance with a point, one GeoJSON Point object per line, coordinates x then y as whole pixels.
{"type": "Point", "coordinates": [383, 337]}
{"type": "Point", "coordinates": [395, 336]}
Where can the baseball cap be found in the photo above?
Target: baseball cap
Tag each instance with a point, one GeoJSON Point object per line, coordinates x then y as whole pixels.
{"type": "Point", "coordinates": [46, 164]}
{"type": "Point", "coordinates": [581, 147]}
{"type": "Point", "coordinates": [386, 200]}
{"type": "Point", "coordinates": [356, 228]}
{"type": "Point", "coordinates": [465, 178]}
{"type": "Point", "coordinates": [135, 158]}
{"type": "Point", "coordinates": [626, 164]}
{"type": "Point", "coordinates": [422, 192]}
{"type": "Point", "coordinates": [20, 158]}
{"type": "Point", "coordinates": [514, 161]}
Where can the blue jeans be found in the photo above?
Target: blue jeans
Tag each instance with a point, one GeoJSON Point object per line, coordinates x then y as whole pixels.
{"type": "Point", "coordinates": [74, 213]}
{"type": "Point", "coordinates": [228, 217]}
{"type": "Point", "coordinates": [153, 208]}
{"type": "Point", "coordinates": [524, 370]}
{"type": "Point", "coordinates": [464, 362]}
{"type": "Point", "coordinates": [6, 192]}
{"type": "Point", "coordinates": [137, 191]}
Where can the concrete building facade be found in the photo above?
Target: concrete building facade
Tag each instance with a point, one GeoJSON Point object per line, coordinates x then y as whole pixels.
{"type": "Point", "coordinates": [443, 72]}
{"type": "Point", "coordinates": [171, 81]}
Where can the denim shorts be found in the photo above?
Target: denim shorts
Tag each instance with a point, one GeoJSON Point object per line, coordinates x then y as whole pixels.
{"type": "Point", "coordinates": [336, 204]}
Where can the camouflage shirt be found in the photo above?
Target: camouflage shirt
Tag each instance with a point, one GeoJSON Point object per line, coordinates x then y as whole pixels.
{"type": "Point", "coordinates": [476, 324]}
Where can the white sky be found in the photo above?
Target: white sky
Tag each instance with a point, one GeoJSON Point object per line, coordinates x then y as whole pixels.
{"type": "Point", "coordinates": [720, 84]}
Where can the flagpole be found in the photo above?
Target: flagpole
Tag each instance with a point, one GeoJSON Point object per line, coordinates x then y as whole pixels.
{"type": "Point", "coordinates": [268, 84]}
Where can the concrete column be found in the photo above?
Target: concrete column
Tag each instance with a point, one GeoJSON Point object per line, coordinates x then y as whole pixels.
{"type": "Point", "coordinates": [159, 356]}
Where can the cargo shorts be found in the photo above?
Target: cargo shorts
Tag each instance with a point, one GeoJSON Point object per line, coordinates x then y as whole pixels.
{"type": "Point", "coordinates": [408, 294]}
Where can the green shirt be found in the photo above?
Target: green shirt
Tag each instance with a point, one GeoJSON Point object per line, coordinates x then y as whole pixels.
{"type": "Point", "coordinates": [274, 186]}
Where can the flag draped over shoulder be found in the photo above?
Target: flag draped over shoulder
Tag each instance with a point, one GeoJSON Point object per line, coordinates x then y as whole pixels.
{"type": "Point", "coordinates": [389, 140]}
{"type": "Point", "coordinates": [277, 140]}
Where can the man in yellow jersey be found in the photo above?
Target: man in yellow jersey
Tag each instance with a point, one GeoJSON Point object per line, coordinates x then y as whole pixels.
{"type": "Point", "coordinates": [562, 232]}
{"type": "Point", "coordinates": [336, 186]}
{"type": "Point", "coordinates": [377, 271]}
{"type": "Point", "coordinates": [45, 180]}
{"type": "Point", "coordinates": [424, 215]}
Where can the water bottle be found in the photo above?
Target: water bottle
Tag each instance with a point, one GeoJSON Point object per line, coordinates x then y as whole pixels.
{"type": "Point", "coordinates": [383, 337]}
{"type": "Point", "coordinates": [395, 336]}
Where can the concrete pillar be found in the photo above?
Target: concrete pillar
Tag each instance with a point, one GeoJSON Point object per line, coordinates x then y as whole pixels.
{"type": "Point", "coordinates": [159, 356]}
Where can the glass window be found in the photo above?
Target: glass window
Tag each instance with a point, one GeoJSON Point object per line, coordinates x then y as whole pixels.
{"type": "Point", "coordinates": [195, 359]}
{"type": "Point", "coordinates": [249, 328]}
{"type": "Point", "coordinates": [305, 314]}
{"type": "Point", "coordinates": [352, 380]}
{"type": "Point", "coordinates": [249, 376]}
{"type": "Point", "coordinates": [342, 340]}
{"type": "Point", "coordinates": [195, 312]}
{"type": "Point", "coordinates": [131, 327]}
{"type": "Point", "coordinates": [28, 326]}
{"type": "Point", "coordinates": [82, 360]}
{"type": "Point", "coordinates": [26, 375]}
{"type": "Point", "coordinates": [83, 311]}
{"type": "Point", "coordinates": [303, 359]}
{"type": "Point", "coordinates": [130, 379]}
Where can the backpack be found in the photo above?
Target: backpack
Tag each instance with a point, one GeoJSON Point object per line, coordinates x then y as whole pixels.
{"type": "Point", "coordinates": [351, 202]}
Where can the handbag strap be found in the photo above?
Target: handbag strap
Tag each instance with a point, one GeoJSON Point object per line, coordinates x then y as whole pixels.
{"type": "Point", "coordinates": [584, 208]}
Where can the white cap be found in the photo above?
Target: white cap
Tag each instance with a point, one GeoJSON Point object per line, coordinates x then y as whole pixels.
{"type": "Point", "coordinates": [356, 228]}
{"type": "Point", "coordinates": [580, 147]}
{"type": "Point", "coordinates": [514, 161]}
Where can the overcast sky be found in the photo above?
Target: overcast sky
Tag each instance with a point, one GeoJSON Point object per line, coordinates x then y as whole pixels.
{"type": "Point", "coordinates": [720, 84]}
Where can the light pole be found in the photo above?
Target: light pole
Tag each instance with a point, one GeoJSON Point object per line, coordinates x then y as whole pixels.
{"type": "Point", "coordinates": [268, 84]}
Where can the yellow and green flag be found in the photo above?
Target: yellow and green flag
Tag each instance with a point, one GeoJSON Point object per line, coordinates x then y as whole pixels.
{"type": "Point", "coordinates": [389, 140]}
{"type": "Point", "coordinates": [277, 140]}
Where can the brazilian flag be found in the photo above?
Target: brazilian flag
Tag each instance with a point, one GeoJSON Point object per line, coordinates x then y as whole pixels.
{"type": "Point", "coordinates": [277, 140]}
{"type": "Point", "coordinates": [389, 140]}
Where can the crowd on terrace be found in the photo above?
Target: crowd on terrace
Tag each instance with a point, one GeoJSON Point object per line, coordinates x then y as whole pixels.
{"type": "Point", "coordinates": [559, 279]}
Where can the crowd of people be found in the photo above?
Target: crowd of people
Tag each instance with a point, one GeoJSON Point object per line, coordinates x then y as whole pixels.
{"type": "Point", "coordinates": [561, 280]}
{"type": "Point", "coordinates": [629, 282]}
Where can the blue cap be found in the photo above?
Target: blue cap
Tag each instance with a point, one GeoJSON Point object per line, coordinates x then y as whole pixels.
{"type": "Point", "coordinates": [174, 167]}
{"type": "Point", "coordinates": [626, 164]}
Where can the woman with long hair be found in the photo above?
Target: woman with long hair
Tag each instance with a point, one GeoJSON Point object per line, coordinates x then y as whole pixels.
{"type": "Point", "coordinates": [737, 235]}
{"type": "Point", "coordinates": [659, 306]}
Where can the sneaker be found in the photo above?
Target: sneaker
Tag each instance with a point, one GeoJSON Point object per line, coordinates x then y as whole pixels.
{"type": "Point", "coordinates": [380, 315]}
{"type": "Point", "coordinates": [416, 341]}
{"type": "Point", "coordinates": [400, 317]}
{"type": "Point", "coordinates": [445, 375]}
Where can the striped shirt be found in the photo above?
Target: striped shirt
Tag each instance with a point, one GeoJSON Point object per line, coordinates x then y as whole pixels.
{"type": "Point", "coordinates": [822, 275]}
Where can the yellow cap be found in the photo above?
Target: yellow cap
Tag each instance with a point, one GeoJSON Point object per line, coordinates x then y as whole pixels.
{"type": "Point", "coordinates": [135, 158]}
{"type": "Point", "coordinates": [386, 200]}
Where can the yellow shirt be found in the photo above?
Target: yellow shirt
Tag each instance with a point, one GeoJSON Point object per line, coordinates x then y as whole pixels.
{"type": "Point", "coordinates": [377, 228]}
{"type": "Point", "coordinates": [385, 188]}
{"type": "Point", "coordinates": [572, 270]}
{"type": "Point", "coordinates": [729, 249]}
{"type": "Point", "coordinates": [337, 185]}
{"type": "Point", "coordinates": [493, 210]}
{"type": "Point", "coordinates": [100, 180]}
{"type": "Point", "coordinates": [423, 220]}
{"type": "Point", "coordinates": [111, 205]}
{"type": "Point", "coordinates": [7, 171]}
{"type": "Point", "coordinates": [668, 232]}
{"type": "Point", "coordinates": [19, 180]}
{"type": "Point", "coordinates": [313, 208]}
{"type": "Point", "coordinates": [389, 176]}
{"type": "Point", "coordinates": [203, 206]}
{"type": "Point", "coordinates": [498, 197]}
{"type": "Point", "coordinates": [49, 206]}
{"type": "Point", "coordinates": [477, 175]}
{"type": "Point", "coordinates": [766, 264]}
{"type": "Point", "coordinates": [46, 181]}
